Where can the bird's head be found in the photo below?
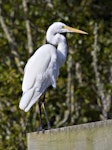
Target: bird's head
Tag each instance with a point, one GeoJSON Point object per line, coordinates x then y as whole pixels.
{"type": "Point", "coordinates": [59, 27]}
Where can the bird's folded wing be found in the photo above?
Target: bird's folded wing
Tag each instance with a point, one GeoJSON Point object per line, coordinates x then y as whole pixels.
{"type": "Point", "coordinates": [40, 67]}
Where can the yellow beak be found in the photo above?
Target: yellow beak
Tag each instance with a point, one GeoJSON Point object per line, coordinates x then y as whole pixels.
{"type": "Point", "coordinates": [75, 30]}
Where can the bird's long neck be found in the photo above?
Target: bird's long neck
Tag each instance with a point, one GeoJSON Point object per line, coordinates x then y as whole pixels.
{"type": "Point", "coordinates": [59, 41]}
{"type": "Point", "coordinates": [62, 50]}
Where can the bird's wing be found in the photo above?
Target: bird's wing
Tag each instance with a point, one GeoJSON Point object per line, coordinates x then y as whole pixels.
{"type": "Point", "coordinates": [40, 72]}
{"type": "Point", "coordinates": [42, 65]}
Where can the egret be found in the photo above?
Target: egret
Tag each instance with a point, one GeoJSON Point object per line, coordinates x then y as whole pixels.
{"type": "Point", "coordinates": [42, 69]}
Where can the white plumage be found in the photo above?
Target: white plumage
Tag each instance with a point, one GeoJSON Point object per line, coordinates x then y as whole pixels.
{"type": "Point", "coordinates": [42, 69]}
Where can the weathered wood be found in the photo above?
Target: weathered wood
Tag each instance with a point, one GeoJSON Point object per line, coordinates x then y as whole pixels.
{"type": "Point", "coordinates": [90, 136]}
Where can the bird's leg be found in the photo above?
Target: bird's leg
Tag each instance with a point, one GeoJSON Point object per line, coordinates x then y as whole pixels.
{"type": "Point", "coordinates": [46, 115]}
{"type": "Point", "coordinates": [40, 115]}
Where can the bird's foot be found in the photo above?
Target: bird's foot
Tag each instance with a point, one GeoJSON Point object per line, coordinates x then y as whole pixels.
{"type": "Point", "coordinates": [40, 129]}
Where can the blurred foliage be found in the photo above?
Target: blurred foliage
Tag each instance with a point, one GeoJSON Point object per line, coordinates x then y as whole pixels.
{"type": "Point", "coordinates": [14, 123]}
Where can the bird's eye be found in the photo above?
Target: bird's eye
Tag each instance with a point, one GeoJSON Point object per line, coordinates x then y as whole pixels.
{"type": "Point", "coordinates": [63, 27]}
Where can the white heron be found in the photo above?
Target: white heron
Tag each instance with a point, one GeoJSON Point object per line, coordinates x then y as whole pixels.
{"type": "Point", "coordinates": [42, 69]}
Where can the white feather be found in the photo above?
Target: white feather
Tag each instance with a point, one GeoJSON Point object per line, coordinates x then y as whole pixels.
{"type": "Point", "coordinates": [41, 71]}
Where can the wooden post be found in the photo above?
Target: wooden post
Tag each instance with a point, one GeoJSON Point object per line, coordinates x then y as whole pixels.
{"type": "Point", "coordinates": [90, 136]}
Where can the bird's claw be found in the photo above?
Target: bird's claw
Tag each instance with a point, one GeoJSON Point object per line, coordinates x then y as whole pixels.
{"type": "Point", "coordinates": [40, 129]}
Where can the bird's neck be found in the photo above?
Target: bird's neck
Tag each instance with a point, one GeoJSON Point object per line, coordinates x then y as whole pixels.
{"type": "Point", "coordinates": [62, 50]}
{"type": "Point", "coordinates": [59, 41]}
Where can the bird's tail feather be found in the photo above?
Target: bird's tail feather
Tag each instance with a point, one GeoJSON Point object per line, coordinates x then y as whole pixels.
{"type": "Point", "coordinates": [28, 99]}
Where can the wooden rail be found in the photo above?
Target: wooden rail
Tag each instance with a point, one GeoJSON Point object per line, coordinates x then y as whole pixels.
{"type": "Point", "coordinates": [90, 136]}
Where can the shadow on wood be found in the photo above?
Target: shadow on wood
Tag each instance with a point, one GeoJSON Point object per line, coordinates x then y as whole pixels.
{"type": "Point", "coordinates": [90, 136]}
